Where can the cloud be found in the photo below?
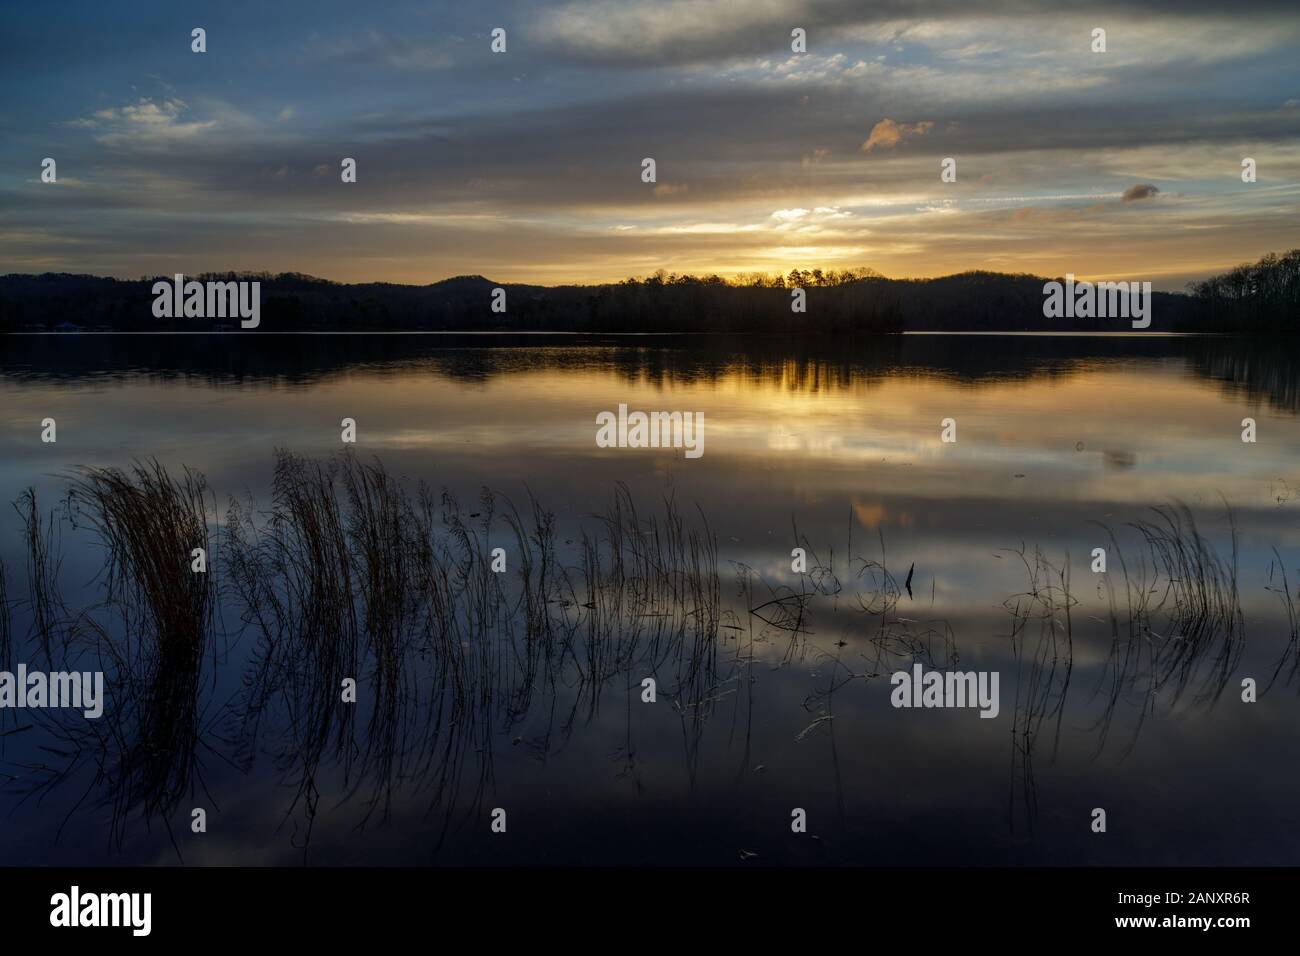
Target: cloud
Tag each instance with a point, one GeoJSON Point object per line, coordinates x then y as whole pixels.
{"type": "Point", "coordinates": [396, 52]}
{"type": "Point", "coordinates": [789, 215]}
{"type": "Point", "coordinates": [145, 124]}
{"type": "Point", "coordinates": [525, 165]}
{"type": "Point", "coordinates": [889, 134]}
{"type": "Point", "coordinates": [660, 32]}
{"type": "Point", "coordinates": [1139, 192]}
{"type": "Point", "coordinates": [819, 221]}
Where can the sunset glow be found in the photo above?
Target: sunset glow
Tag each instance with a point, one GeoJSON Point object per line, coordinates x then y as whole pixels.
{"type": "Point", "coordinates": [526, 167]}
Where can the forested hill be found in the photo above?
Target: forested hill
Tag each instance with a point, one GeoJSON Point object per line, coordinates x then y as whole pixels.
{"type": "Point", "coordinates": [1258, 297]}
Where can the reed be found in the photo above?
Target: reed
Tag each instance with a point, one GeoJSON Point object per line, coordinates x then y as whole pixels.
{"type": "Point", "coordinates": [149, 524]}
{"type": "Point", "coordinates": [353, 573]}
{"type": "Point", "coordinates": [1042, 646]}
{"type": "Point", "coordinates": [148, 635]}
{"type": "Point", "coordinates": [42, 550]}
{"type": "Point", "coordinates": [6, 621]}
{"type": "Point", "coordinates": [1289, 661]}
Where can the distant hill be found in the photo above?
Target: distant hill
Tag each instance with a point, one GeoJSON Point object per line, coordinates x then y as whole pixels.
{"type": "Point", "coordinates": [1258, 297]}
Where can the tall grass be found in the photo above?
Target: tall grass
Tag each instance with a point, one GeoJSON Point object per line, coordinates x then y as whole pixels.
{"type": "Point", "coordinates": [1174, 627]}
{"type": "Point", "coordinates": [1289, 661]}
{"type": "Point", "coordinates": [42, 550]}
{"type": "Point", "coordinates": [351, 572]}
{"type": "Point", "coordinates": [1042, 646]}
{"type": "Point", "coordinates": [1175, 620]}
{"type": "Point", "coordinates": [148, 635]}
{"type": "Point", "coordinates": [6, 621]}
{"type": "Point", "coordinates": [356, 573]}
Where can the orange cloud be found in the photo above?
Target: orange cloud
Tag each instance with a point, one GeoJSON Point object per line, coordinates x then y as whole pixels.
{"type": "Point", "coordinates": [889, 134]}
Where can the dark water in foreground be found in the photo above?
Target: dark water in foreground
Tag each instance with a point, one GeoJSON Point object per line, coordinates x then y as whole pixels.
{"type": "Point", "coordinates": [1120, 691]}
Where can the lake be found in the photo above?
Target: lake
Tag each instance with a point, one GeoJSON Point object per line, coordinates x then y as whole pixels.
{"type": "Point", "coordinates": [522, 690]}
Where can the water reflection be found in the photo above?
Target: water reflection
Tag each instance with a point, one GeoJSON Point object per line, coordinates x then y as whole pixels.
{"type": "Point", "coordinates": [1260, 370]}
{"type": "Point", "coordinates": [477, 689]}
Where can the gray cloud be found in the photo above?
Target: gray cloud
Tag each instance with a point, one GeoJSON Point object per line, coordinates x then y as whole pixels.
{"type": "Point", "coordinates": [662, 32]}
{"type": "Point", "coordinates": [472, 162]}
{"type": "Point", "coordinates": [719, 143]}
{"type": "Point", "coordinates": [1139, 192]}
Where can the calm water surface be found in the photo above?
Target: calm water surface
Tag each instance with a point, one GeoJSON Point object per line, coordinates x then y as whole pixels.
{"type": "Point", "coordinates": [1063, 445]}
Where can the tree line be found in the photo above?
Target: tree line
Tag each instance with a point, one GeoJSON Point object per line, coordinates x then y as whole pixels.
{"type": "Point", "coordinates": [1259, 297]}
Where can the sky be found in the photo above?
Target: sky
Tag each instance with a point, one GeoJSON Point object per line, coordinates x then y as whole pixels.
{"type": "Point", "coordinates": [526, 166]}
